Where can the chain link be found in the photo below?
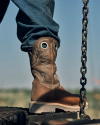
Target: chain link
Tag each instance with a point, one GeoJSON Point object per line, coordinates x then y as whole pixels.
{"type": "Point", "coordinates": [83, 69]}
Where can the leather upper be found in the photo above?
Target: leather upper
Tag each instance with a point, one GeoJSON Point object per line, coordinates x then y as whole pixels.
{"type": "Point", "coordinates": [46, 85]}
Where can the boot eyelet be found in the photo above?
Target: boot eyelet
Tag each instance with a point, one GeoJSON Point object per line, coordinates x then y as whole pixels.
{"type": "Point", "coordinates": [44, 45]}
{"type": "Point", "coordinates": [55, 47]}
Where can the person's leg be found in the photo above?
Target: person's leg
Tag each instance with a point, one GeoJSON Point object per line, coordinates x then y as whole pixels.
{"type": "Point", "coordinates": [3, 7]}
{"type": "Point", "coordinates": [38, 31]}
{"type": "Point", "coordinates": [35, 20]}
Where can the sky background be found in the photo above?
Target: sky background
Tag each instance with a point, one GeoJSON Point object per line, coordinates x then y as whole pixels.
{"type": "Point", "coordinates": [14, 64]}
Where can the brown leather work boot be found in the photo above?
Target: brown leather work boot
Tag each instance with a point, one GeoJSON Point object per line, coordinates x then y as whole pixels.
{"type": "Point", "coordinates": [47, 93]}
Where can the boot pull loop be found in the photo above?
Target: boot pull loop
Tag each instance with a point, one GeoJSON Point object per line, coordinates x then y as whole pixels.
{"type": "Point", "coordinates": [44, 45]}
{"type": "Point", "coordinates": [55, 47]}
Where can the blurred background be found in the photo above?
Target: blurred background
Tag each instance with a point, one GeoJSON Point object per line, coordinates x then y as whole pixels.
{"type": "Point", "coordinates": [15, 76]}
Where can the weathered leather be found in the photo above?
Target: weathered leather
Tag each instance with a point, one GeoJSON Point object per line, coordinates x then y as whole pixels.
{"type": "Point", "coordinates": [46, 85]}
{"type": "Point", "coordinates": [57, 95]}
{"type": "Point", "coordinates": [42, 61]}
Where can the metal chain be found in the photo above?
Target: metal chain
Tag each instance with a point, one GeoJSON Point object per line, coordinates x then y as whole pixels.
{"type": "Point", "coordinates": [83, 69]}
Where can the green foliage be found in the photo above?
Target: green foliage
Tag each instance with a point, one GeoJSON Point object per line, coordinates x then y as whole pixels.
{"type": "Point", "coordinates": [15, 97]}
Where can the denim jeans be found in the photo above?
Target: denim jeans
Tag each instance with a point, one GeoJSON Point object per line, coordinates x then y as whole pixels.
{"type": "Point", "coordinates": [35, 20]}
{"type": "Point", "coordinates": [3, 7]}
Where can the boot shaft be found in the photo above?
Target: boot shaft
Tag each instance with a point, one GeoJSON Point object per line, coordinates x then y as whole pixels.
{"type": "Point", "coordinates": [42, 61]}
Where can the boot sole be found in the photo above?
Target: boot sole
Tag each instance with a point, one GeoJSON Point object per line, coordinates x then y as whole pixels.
{"type": "Point", "coordinates": [41, 107]}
